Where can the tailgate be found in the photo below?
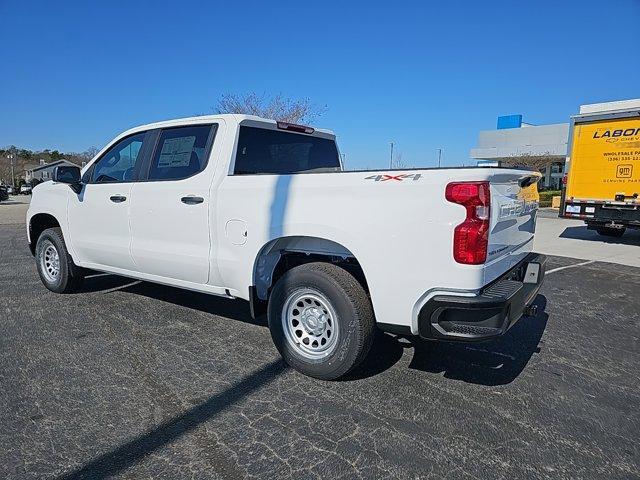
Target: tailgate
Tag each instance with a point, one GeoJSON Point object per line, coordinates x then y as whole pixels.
{"type": "Point", "coordinates": [514, 204]}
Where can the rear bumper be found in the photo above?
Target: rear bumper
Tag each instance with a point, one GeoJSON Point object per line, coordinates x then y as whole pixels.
{"type": "Point", "coordinates": [602, 213]}
{"type": "Point", "coordinates": [489, 314]}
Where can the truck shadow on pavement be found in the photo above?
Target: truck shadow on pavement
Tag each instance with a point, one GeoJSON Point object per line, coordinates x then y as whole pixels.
{"type": "Point", "coordinates": [203, 302]}
{"type": "Point", "coordinates": [630, 237]}
{"type": "Point", "coordinates": [497, 362]}
{"type": "Point", "coordinates": [212, 304]}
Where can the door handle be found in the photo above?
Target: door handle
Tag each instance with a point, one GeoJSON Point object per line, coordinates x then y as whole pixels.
{"type": "Point", "coordinates": [192, 200]}
{"type": "Point", "coordinates": [117, 198]}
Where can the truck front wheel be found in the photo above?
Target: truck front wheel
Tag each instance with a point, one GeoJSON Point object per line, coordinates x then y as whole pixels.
{"type": "Point", "coordinates": [321, 320]}
{"type": "Point", "coordinates": [56, 268]}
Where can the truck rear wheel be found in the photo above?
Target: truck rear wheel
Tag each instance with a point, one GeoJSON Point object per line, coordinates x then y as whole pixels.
{"type": "Point", "coordinates": [321, 320]}
{"type": "Point", "coordinates": [56, 268]}
{"type": "Point", "coordinates": [611, 232]}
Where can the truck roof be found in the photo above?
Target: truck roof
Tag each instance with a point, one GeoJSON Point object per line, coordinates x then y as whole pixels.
{"type": "Point", "coordinates": [229, 117]}
{"type": "Point", "coordinates": [619, 105]}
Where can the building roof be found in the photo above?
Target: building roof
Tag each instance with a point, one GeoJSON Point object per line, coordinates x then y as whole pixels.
{"type": "Point", "coordinates": [540, 140]}
{"type": "Point", "coordinates": [49, 165]}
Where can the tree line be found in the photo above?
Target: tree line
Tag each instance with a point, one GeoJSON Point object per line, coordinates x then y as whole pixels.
{"type": "Point", "coordinates": [24, 159]}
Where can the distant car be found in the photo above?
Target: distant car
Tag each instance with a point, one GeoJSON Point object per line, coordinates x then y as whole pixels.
{"type": "Point", "coordinates": [25, 190]}
{"type": "Point", "coordinates": [4, 194]}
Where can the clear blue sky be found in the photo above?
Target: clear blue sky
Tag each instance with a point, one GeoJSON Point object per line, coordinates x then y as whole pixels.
{"type": "Point", "coordinates": [423, 74]}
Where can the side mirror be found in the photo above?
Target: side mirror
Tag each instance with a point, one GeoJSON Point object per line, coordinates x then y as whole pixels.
{"type": "Point", "coordinates": [69, 175]}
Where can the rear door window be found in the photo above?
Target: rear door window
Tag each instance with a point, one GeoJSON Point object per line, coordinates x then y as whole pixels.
{"type": "Point", "coordinates": [181, 152]}
{"type": "Point", "coordinates": [265, 151]}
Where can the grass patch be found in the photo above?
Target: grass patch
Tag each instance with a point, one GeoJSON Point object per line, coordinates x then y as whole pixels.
{"type": "Point", "coordinates": [546, 196]}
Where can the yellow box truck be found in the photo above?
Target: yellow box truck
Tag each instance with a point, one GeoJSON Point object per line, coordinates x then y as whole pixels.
{"type": "Point", "coordinates": [603, 167]}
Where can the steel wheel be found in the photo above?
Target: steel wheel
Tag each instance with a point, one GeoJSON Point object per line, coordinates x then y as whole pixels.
{"type": "Point", "coordinates": [310, 323]}
{"type": "Point", "coordinates": [321, 320]}
{"type": "Point", "coordinates": [50, 262]}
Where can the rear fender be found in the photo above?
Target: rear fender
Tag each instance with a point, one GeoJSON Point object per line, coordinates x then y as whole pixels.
{"type": "Point", "coordinates": [271, 254]}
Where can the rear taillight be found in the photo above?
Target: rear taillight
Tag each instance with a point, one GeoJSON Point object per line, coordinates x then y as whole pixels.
{"type": "Point", "coordinates": [471, 237]}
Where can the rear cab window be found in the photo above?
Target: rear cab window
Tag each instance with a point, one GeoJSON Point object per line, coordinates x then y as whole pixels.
{"type": "Point", "coordinates": [265, 151]}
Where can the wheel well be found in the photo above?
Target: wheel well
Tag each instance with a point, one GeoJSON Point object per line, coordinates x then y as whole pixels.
{"type": "Point", "coordinates": [38, 224]}
{"type": "Point", "coordinates": [290, 260]}
{"type": "Point", "coordinates": [283, 254]}
{"type": "Point", "coordinates": [286, 260]}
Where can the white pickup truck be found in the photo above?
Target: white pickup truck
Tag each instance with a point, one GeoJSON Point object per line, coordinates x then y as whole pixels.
{"type": "Point", "coordinates": [245, 207]}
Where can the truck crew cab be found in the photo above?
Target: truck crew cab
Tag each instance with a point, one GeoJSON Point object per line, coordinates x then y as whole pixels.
{"type": "Point", "coordinates": [244, 207]}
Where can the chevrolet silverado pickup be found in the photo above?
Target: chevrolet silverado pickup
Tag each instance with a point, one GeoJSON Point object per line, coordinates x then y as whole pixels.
{"type": "Point", "coordinates": [250, 208]}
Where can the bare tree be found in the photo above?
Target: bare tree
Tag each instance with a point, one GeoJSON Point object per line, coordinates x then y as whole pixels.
{"type": "Point", "coordinates": [534, 162]}
{"type": "Point", "coordinates": [88, 154]}
{"type": "Point", "coordinates": [276, 107]}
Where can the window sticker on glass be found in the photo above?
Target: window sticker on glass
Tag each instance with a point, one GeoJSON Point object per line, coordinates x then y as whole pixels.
{"type": "Point", "coordinates": [176, 152]}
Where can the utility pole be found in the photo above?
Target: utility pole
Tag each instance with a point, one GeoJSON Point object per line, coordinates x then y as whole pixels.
{"type": "Point", "coordinates": [391, 157]}
{"type": "Point", "coordinates": [439, 156]}
{"type": "Point", "coordinates": [13, 181]}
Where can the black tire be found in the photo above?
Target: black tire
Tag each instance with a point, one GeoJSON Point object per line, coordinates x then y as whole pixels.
{"type": "Point", "coordinates": [354, 319]}
{"type": "Point", "coordinates": [611, 232]}
{"type": "Point", "coordinates": [69, 276]}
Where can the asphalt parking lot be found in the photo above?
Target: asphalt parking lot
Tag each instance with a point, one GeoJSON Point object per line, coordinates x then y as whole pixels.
{"type": "Point", "coordinates": [14, 210]}
{"type": "Point", "coordinates": [136, 380]}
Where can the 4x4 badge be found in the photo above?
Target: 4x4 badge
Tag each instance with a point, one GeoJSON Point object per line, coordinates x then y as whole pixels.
{"type": "Point", "coordinates": [398, 178]}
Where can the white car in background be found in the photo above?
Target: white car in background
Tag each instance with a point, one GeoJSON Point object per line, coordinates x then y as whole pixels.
{"type": "Point", "coordinates": [244, 207]}
{"type": "Point", "coordinates": [25, 189]}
